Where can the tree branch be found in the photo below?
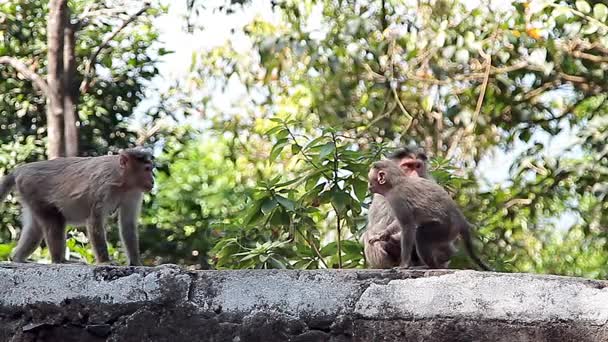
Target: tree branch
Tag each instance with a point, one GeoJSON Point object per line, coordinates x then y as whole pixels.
{"type": "Point", "coordinates": [482, 92]}
{"type": "Point", "coordinates": [90, 67]}
{"type": "Point", "coordinates": [27, 72]}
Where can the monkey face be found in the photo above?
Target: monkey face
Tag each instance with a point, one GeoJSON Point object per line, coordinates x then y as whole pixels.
{"type": "Point", "coordinates": [412, 166]}
{"type": "Point", "coordinates": [138, 171]}
{"type": "Point", "coordinates": [147, 176]}
{"type": "Point", "coordinates": [377, 181]}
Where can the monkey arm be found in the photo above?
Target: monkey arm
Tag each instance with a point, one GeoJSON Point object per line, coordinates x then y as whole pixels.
{"type": "Point", "coordinates": [128, 214]}
{"type": "Point", "coordinates": [392, 231]}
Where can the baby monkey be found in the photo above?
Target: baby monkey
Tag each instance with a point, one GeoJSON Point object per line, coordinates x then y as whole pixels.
{"type": "Point", "coordinates": [419, 203]}
{"type": "Point", "coordinates": [80, 191]}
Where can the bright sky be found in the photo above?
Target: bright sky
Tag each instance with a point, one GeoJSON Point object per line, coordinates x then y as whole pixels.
{"type": "Point", "coordinates": [493, 169]}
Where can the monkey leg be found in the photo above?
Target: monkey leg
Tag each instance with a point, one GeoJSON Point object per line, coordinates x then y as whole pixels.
{"type": "Point", "coordinates": [443, 253]}
{"type": "Point", "coordinates": [408, 237]}
{"type": "Point", "coordinates": [54, 235]}
{"type": "Point", "coordinates": [31, 236]}
{"type": "Point", "coordinates": [431, 244]}
{"type": "Point", "coordinates": [97, 236]}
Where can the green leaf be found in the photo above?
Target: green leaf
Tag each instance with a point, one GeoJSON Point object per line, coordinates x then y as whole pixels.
{"type": "Point", "coordinates": [286, 202]}
{"type": "Point", "coordinates": [253, 214]}
{"type": "Point", "coordinates": [360, 187]}
{"type": "Point", "coordinates": [267, 205]}
{"type": "Point", "coordinates": [274, 130]}
{"type": "Point", "coordinates": [600, 12]}
{"type": "Point", "coordinates": [276, 263]}
{"type": "Point", "coordinates": [326, 149]}
{"type": "Point", "coordinates": [340, 201]}
{"type": "Point", "coordinates": [313, 142]}
{"type": "Point", "coordinates": [247, 257]}
{"type": "Point", "coordinates": [280, 218]}
{"type": "Point", "coordinates": [289, 182]}
{"type": "Point", "coordinates": [277, 149]}
{"type": "Point", "coordinates": [274, 180]}
{"type": "Point", "coordinates": [427, 103]}
{"type": "Point", "coordinates": [590, 28]}
{"type": "Point", "coordinates": [311, 180]}
{"type": "Point", "coordinates": [583, 6]}
{"type": "Point", "coordinates": [329, 250]}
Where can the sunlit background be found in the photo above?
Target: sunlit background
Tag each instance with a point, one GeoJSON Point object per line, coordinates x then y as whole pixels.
{"type": "Point", "coordinates": [265, 116]}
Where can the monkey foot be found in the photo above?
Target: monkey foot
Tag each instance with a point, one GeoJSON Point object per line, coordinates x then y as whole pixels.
{"type": "Point", "coordinates": [73, 262]}
{"type": "Point", "coordinates": [422, 267]}
{"type": "Point", "coordinates": [108, 263]}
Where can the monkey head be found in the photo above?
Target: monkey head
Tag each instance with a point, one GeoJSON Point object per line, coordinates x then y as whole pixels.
{"type": "Point", "coordinates": [137, 166]}
{"type": "Point", "coordinates": [411, 160]}
{"type": "Point", "coordinates": [383, 176]}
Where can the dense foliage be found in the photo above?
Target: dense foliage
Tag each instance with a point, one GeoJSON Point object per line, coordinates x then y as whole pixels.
{"type": "Point", "coordinates": [325, 87]}
{"type": "Point", "coordinates": [104, 109]}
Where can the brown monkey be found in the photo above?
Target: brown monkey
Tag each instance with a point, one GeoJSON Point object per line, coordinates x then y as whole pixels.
{"type": "Point", "coordinates": [382, 238]}
{"type": "Point", "coordinates": [429, 218]}
{"type": "Point", "coordinates": [80, 191]}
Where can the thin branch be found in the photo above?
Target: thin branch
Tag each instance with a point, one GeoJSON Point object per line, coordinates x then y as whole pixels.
{"type": "Point", "coordinates": [474, 75]}
{"type": "Point", "coordinates": [90, 67]}
{"type": "Point", "coordinates": [578, 13]}
{"type": "Point", "coordinates": [482, 93]}
{"type": "Point", "coordinates": [588, 56]}
{"type": "Point", "coordinates": [314, 247]}
{"type": "Point", "coordinates": [539, 91]}
{"type": "Point", "coordinates": [484, 86]}
{"type": "Point", "coordinates": [145, 134]}
{"type": "Point", "coordinates": [572, 78]}
{"type": "Point", "coordinates": [403, 110]}
{"type": "Point", "coordinates": [27, 72]}
{"type": "Point", "coordinates": [102, 12]}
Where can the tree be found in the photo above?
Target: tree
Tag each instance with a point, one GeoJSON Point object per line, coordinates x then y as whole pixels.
{"type": "Point", "coordinates": [464, 83]}
{"type": "Point", "coordinates": [60, 86]}
{"type": "Point", "coordinates": [110, 70]}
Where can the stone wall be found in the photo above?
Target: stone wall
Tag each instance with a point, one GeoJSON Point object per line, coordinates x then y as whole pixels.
{"type": "Point", "coordinates": [86, 303]}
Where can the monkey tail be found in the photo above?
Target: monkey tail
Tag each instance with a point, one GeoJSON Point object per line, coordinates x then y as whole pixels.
{"type": "Point", "coordinates": [468, 244]}
{"type": "Point", "coordinates": [6, 184]}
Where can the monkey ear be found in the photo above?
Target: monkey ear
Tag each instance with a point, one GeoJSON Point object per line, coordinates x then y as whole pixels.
{"type": "Point", "coordinates": [124, 159]}
{"type": "Point", "coordinates": [381, 177]}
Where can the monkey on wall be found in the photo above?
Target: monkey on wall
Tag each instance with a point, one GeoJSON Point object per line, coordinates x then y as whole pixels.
{"type": "Point", "coordinates": [382, 238]}
{"type": "Point", "coordinates": [80, 191]}
{"type": "Point", "coordinates": [428, 216]}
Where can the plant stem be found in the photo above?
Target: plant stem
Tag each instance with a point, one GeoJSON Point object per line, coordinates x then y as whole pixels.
{"type": "Point", "coordinates": [338, 218]}
{"type": "Point", "coordinates": [314, 247]}
{"type": "Point", "coordinates": [339, 240]}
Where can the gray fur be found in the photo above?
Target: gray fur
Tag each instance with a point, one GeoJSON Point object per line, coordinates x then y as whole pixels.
{"type": "Point", "coordinates": [429, 217]}
{"type": "Point", "coordinates": [382, 237]}
{"type": "Point", "coordinates": [79, 191]}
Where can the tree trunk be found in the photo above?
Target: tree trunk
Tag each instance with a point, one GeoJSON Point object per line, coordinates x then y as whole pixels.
{"type": "Point", "coordinates": [70, 103]}
{"type": "Point", "coordinates": [55, 100]}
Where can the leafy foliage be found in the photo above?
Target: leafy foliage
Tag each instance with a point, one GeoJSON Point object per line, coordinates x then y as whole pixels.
{"type": "Point", "coordinates": [276, 178]}
{"type": "Point", "coordinates": [104, 109]}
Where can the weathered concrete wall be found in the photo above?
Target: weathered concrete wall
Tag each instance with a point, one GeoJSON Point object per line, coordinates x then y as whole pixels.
{"type": "Point", "coordinates": [82, 303]}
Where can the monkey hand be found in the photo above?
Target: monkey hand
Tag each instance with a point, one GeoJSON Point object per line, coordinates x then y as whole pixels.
{"type": "Point", "coordinates": [384, 236]}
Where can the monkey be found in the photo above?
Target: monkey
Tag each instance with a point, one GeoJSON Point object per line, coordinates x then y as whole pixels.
{"type": "Point", "coordinates": [382, 238]}
{"type": "Point", "coordinates": [80, 191]}
{"type": "Point", "coordinates": [429, 217]}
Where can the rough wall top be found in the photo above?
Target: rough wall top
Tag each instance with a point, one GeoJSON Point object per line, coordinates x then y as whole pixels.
{"type": "Point", "coordinates": [362, 296]}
